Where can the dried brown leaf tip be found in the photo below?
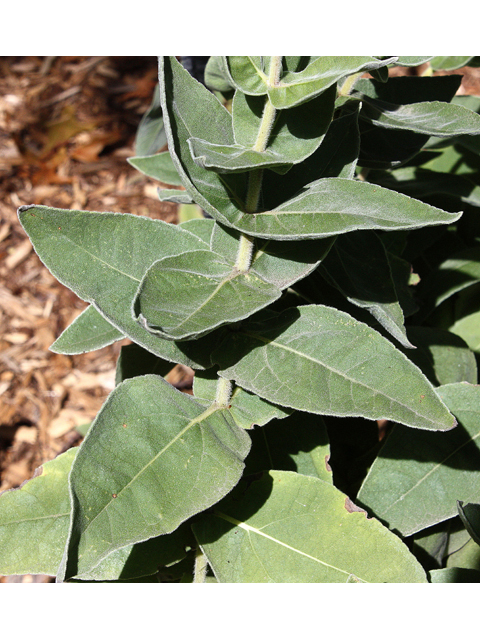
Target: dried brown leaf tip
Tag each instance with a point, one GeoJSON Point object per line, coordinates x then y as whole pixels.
{"type": "Point", "coordinates": [350, 506]}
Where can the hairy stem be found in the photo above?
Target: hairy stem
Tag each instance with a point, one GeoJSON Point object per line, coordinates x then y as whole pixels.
{"type": "Point", "coordinates": [223, 392]}
{"type": "Point", "coordinates": [255, 179]}
{"type": "Point", "coordinates": [245, 253]}
{"type": "Point", "coordinates": [200, 569]}
{"type": "Point", "coordinates": [264, 131]}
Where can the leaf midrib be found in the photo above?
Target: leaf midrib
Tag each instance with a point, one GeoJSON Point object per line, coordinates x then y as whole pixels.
{"type": "Point", "coordinates": [433, 470]}
{"type": "Point", "coordinates": [335, 371]}
{"type": "Point", "coordinates": [200, 418]}
{"type": "Point", "coordinates": [250, 529]}
{"type": "Point", "coordinates": [107, 264]}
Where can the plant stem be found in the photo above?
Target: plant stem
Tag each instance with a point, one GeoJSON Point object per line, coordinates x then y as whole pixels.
{"type": "Point", "coordinates": [255, 179]}
{"type": "Point", "coordinates": [266, 126]}
{"type": "Point", "coordinates": [223, 393]}
{"type": "Point", "coordinates": [200, 569]}
{"type": "Point", "coordinates": [245, 253]}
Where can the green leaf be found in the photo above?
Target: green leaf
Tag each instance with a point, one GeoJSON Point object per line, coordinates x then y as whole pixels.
{"type": "Point", "coordinates": [186, 459]}
{"type": "Point", "coordinates": [295, 87]}
{"type": "Point", "coordinates": [177, 196]}
{"type": "Point", "coordinates": [454, 574]}
{"type": "Point", "coordinates": [247, 409]}
{"type": "Point", "coordinates": [234, 158]}
{"type": "Point", "coordinates": [418, 476]}
{"type": "Point", "coordinates": [89, 331]}
{"type": "Point", "coordinates": [191, 294]}
{"type": "Point", "coordinates": [34, 520]}
{"type": "Point", "coordinates": [216, 75]}
{"type": "Point", "coordinates": [467, 557]}
{"type": "Point", "coordinates": [430, 545]}
{"type": "Point", "coordinates": [150, 135]}
{"type": "Point", "coordinates": [334, 205]}
{"type": "Point", "coordinates": [460, 271]}
{"type": "Point", "coordinates": [384, 148]}
{"type": "Point", "coordinates": [368, 285]}
{"type": "Point", "coordinates": [106, 272]}
{"type": "Point", "coordinates": [470, 515]}
{"type": "Point", "coordinates": [412, 61]}
{"type": "Point", "coordinates": [296, 133]}
{"type": "Point", "coordinates": [183, 100]}
{"type": "Point", "coordinates": [331, 206]}
{"type": "Point", "coordinates": [321, 360]}
{"type": "Point", "coordinates": [467, 327]}
{"type": "Point", "coordinates": [140, 560]}
{"type": "Point", "coordinates": [428, 118]}
{"type": "Point", "coordinates": [296, 443]}
{"type": "Point", "coordinates": [442, 356]}
{"type": "Point", "coordinates": [248, 73]}
{"type": "Point", "coordinates": [286, 527]}
{"type": "Point", "coordinates": [158, 166]}
{"type": "Point", "coordinates": [449, 63]}
{"type": "Point", "coordinates": [422, 183]}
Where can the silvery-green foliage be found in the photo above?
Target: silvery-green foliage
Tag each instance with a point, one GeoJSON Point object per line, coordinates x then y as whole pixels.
{"type": "Point", "coordinates": [328, 303]}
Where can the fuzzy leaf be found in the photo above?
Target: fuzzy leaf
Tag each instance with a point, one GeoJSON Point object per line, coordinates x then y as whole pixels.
{"type": "Point", "coordinates": [321, 360]}
{"type": "Point", "coordinates": [177, 196]}
{"type": "Point", "coordinates": [88, 332]}
{"type": "Point", "coordinates": [428, 118]}
{"type": "Point", "coordinates": [442, 356]}
{"type": "Point", "coordinates": [369, 285]}
{"type": "Point", "coordinates": [250, 75]}
{"type": "Point", "coordinates": [191, 294]}
{"type": "Point", "coordinates": [232, 158]}
{"type": "Point", "coordinates": [454, 574]}
{"type": "Point", "coordinates": [427, 472]}
{"type": "Point", "coordinates": [286, 527]}
{"type": "Point", "coordinates": [470, 515]}
{"type": "Point", "coordinates": [34, 520]}
{"type": "Point", "coordinates": [184, 100]}
{"type": "Point", "coordinates": [331, 206]}
{"type": "Point", "coordinates": [108, 254]}
{"type": "Point", "coordinates": [216, 75]}
{"type": "Point", "coordinates": [449, 63]}
{"type": "Point", "coordinates": [460, 271]}
{"type": "Point", "coordinates": [336, 157]}
{"type": "Point", "coordinates": [186, 459]}
{"type": "Point", "coordinates": [158, 166]}
{"type": "Point", "coordinates": [279, 263]}
{"type": "Point", "coordinates": [150, 136]}
{"type": "Point", "coordinates": [327, 207]}
{"type": "Point", "coordinates": [412, 61]}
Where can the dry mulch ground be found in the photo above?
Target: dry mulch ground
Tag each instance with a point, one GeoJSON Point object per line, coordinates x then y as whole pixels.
{"type": "Point", "coordinates": [67, 126]}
